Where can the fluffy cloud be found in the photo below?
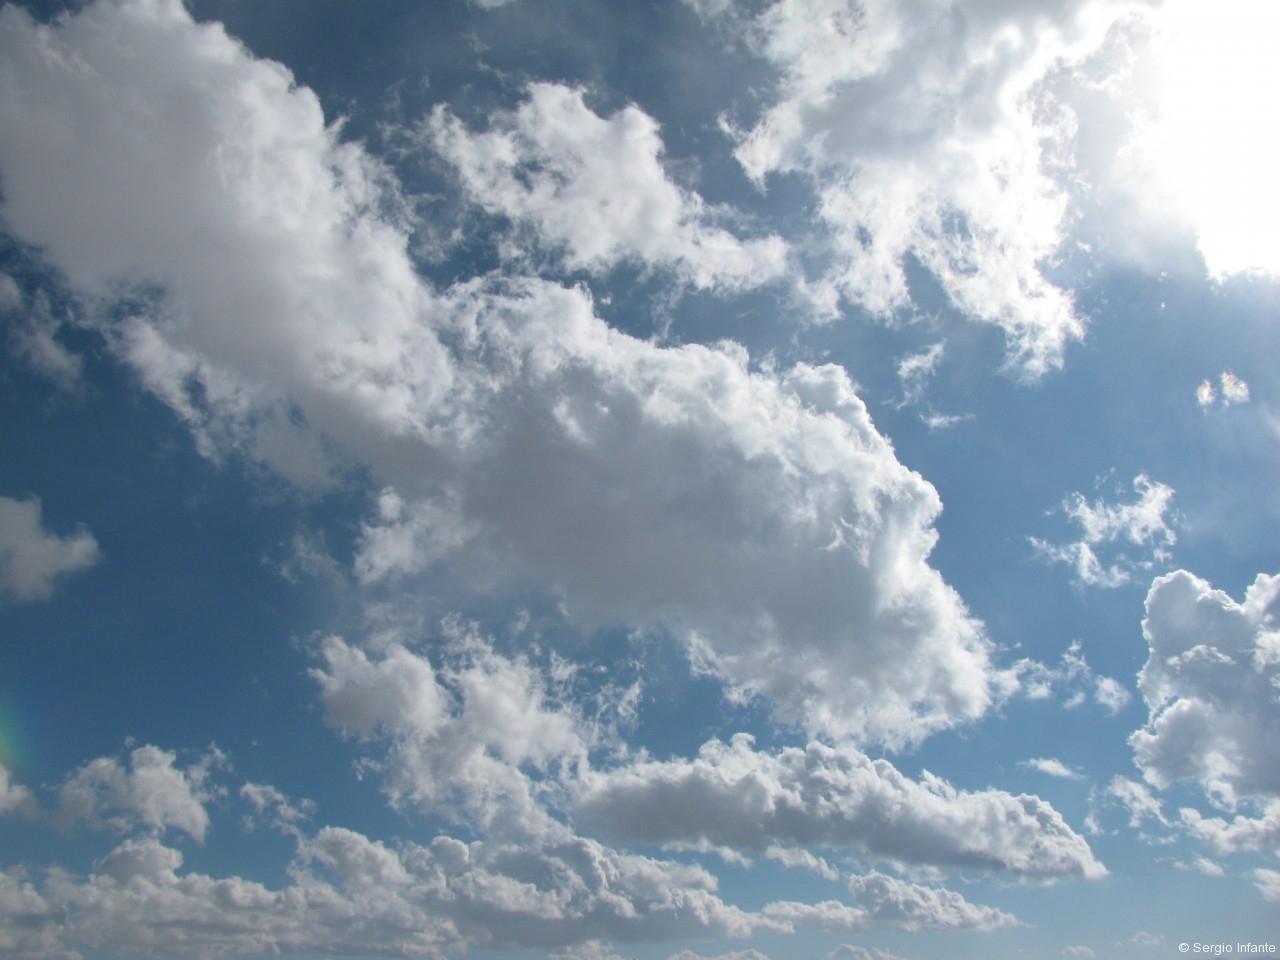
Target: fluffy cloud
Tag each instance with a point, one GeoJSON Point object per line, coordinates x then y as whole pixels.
{"type": "Point", "coordinates": [929, 133]}
{"type": "Point", "coordinates": [1053, 768]}
{"type": "Point", "coordinates": [1268, 884]}
{"type": "Point", "coordinates": [32, 560]}
{"type": "Point", "coordinates": [1210, 688]}
{"type": "Point", "coordinates": [148, 792]}
{"type": "Point", "coordinates": [595, 188]}
{"type": "Point", "coordinates": [884, 901]}
{"type": "Point", "coordinates": [14, 797]}
{"type": "Point", "coordinates": [462, 739]}
{"type": "Point", "coordinates": [734, 796]}
{"type": "Point", "coordinates": [766, 521]}
{"type": "Point", "coordinates": [1143, 524]}
{"type": "Point", "coordinates": [352, 895]}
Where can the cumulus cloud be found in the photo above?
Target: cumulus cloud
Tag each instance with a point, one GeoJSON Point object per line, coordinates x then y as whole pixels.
{"type": "Point", "coordinates": [595, 187]}
{"type": "Point", "coordinates": [32, 560]}
{"type": "Point", "coordinates": [1210, 688]}
{"type": "Point", "coordinates": [884, 901]}
{"type": "Point", "coordinates": [1146, 523]}
{"type": "Point", "coordinates": [148, 792]}
{"type": "Point", "coordinates": [736, 797]}
{"type": "Point", "coordinates": [768, 523]}
{"type": "Point", "coordinates": [352, 895]}
{"type": "Point", "coordinates": [14, 797]}
{"type": "Point", "coordinates": [932, 135]}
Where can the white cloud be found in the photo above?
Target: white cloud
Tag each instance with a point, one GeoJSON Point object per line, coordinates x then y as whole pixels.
{"type": "Point", "coordinates": [823, 797]}
{"type": "Point", "coordinates": [1053, 768]}
{"type": "Point", "coordinates": [1138, 800]}
{"type": "Point", "coordinates": [1078, 951]}
{"type": "Point", "coordinates": [1234, 390]}
{"type": "Point", "coordinates": [848, 951]}
{"type": "Point", "coordinates": [32, 560]}
{"type": "Point", "coordinates": [352, 895]}
{"type": "Point", "coordinates": [1210, 688]}
{"type": "Point", "coordinates": [596, 188]}
{"type": "Point", "coordinates": [932, 135]}
{"type": "Point", "coordinates": [1072, 678]}
{"type": "Point", "coordinates": [1240, 833]}
{"type": "Point", "coordinates": [885, 901]}
{"type": "Point", "coordinates": [32, 335]}
{"type": "Point", "coordinates": [149, 792]}
{"type": "Point", "coordinates": [14, 797]}
{"type": "Point", "coordinates": [1143, 524]}
{"type": "Point", "coordinates": [767, 522]}
{"type": "Point", "coordinates": [734, 955]}
{"type": "Point", "coordinates": [1268, 884]}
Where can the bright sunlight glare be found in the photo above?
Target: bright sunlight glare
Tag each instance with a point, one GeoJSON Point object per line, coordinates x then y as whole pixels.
{"type": "Point", "coordinates": [1214, 144]}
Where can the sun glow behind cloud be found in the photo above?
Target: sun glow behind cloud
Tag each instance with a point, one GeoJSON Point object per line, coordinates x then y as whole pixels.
{"type": "Point", "coordinates": [1212, 145]}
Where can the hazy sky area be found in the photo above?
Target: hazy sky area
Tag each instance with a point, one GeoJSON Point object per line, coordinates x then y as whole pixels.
{"type": "Point", "coordinates": [666, 480]}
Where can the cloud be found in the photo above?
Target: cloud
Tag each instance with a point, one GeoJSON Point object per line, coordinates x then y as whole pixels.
{"type": "Point", "coordinates": [933, 137]}
{"type": "Point", "coordinates": [734, 955]}
{"type": "Point", "coordinates": [1143, 524]}
{"type": "Point", "coordinates": [735, 797]}
{"type": "Point", "coordinates": [1234, 390]}
{"type": "Point", "coordinates": [595, 188]}
{"type": "Point", "coordinates": [352, 895]}
{"type": "Point", "coordinates": [32, 560]}
{"type": "Point", "coordinates": [1138, 800]}
{"type": "Point", "coordinates": [1053, 768]}
{"type": "Point", "coordinates": [768, 524]}
{"type": "Point", "coordinates": [1209, 684]}
{"type": "Point", "coordinates": [1268, 884]}
{"type": "Point", "coordinates": [885, 901]}
{"type": "Point", "coordinates": [14, 797]}
{"type": "Point", "coordinates": [848, 951]}
{"type": "Point", "coordinates": [1072, 678]}
{"type": "Point", "coordinates": [149, 792]}
{"type": "Point", "coordinates": [33, 333]}
{"type": "Point", "coordinates": [462, 739]}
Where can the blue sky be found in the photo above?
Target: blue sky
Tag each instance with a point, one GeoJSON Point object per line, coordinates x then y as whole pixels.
{"type": "Point", "coordinates": [702, 480]}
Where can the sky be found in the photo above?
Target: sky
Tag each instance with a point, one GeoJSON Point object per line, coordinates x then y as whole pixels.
{"type": "Point", "coordinates": [688, 480]}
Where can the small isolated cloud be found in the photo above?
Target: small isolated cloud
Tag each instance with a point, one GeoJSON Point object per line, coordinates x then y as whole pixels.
{"type": "Point", "coordinates": [1147, 524]}
{"type": "Point", "coordinates": [914, 371]}
{"type": "Point", "coordinates": [1079, 951]}
{"type": "Point", "coordinates": [1144, 939]}
{"type": "Point", "coordinates": [594, 188]}
{"type": "Point", "coordinates": [1233, 390]}
{"type": "Point", "coordinates": [33, 560]}
{"type": "Point", "coordinates": [1072, 679]}
{"type": "Point", "coordinates": [147, 792]}
{"type": "Point", "coordinates": [1138, 800]}
{"type": "Point", "coordinates": [14, 797]}
{"type": "Point", "coordinates": [734, 955]}
{"type": "Point", "coordinates": [1210, 685]}
{"type": "Point", "coordinates": [1053, 768]}
{"type": "Point", "coordinates": [1268, 884]}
